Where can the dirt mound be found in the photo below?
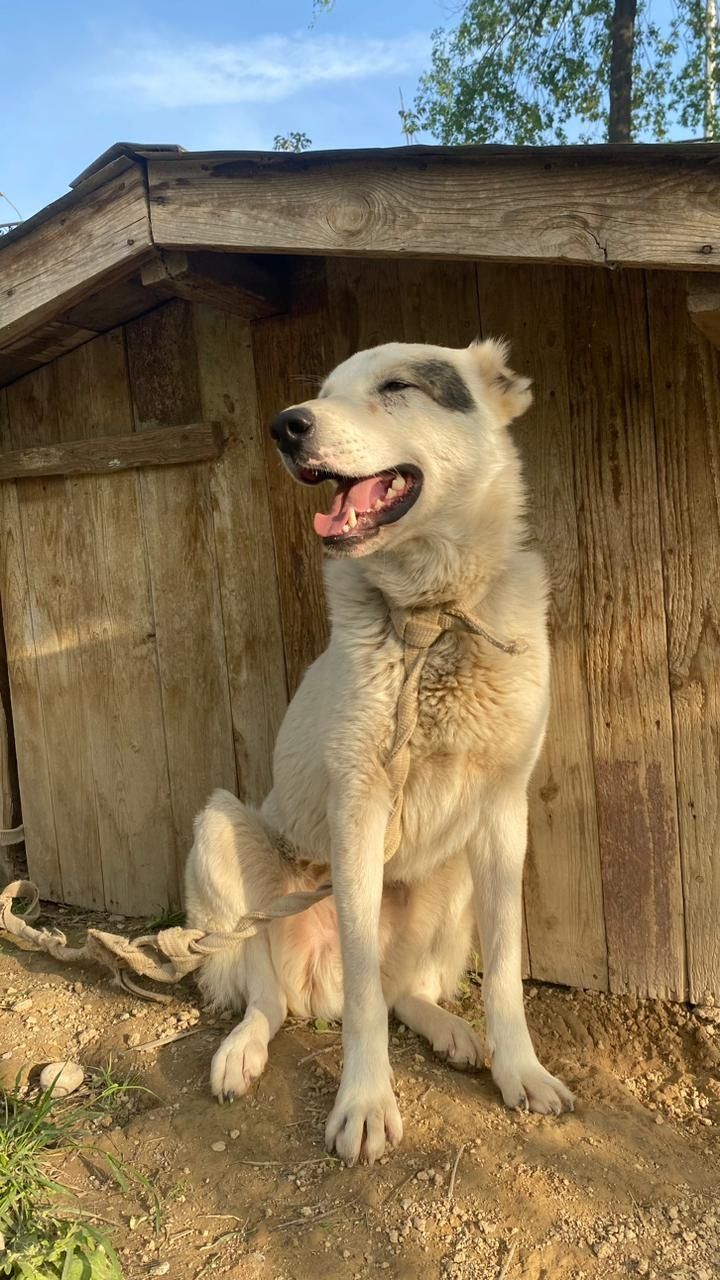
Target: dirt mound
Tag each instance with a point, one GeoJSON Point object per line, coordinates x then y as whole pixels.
{"type": "Point", "coordinates": [627, 1185]}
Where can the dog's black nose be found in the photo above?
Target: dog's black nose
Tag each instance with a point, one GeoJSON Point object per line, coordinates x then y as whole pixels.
{"type": "Point", "coordinates": [291, 428]}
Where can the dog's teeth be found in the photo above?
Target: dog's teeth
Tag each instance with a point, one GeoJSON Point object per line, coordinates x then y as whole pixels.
{"type": "Point", "coordinates": [379, 504]}
{"type": "Point", "coordinates": [352, 518]}
{"type": "Point", "coordinates": [398, 484]}
{"type": "Point", "coordinates": [346, 528]}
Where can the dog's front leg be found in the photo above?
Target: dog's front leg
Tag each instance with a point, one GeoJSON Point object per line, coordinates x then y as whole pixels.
{"type": "Point", "coordinates": [497, 864]}
{"type": "Point", "coordinates": [365, 1111]}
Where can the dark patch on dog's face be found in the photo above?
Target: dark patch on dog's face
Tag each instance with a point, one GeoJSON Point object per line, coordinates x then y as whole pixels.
{"type": "Point", "coordinates": [445, 385]}
{"type": "Point", "coordinates": [438, 379]}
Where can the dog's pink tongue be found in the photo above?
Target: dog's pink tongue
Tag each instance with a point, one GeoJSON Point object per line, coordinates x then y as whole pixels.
{"type": "Point", "coordinates": [361, 496]}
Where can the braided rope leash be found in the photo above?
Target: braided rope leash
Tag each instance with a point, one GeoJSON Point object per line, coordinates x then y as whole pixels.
{"type": "Point", "coordinates": [166, 957]}
{"type": "Point", "coordinates": [169, 955]}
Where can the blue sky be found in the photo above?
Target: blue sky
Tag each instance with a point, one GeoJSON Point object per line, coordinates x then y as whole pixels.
{"type": "Point", "coordinates": [209, 74]}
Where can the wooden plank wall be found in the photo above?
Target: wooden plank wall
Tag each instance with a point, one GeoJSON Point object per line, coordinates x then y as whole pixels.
{"type": "Point", "coordinates": [156, 621]}
{"type": "Point", "coordinates": [146, 664]}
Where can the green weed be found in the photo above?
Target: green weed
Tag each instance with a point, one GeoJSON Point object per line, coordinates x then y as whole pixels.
{"type": "Point", "coordinates": [40, 1236]}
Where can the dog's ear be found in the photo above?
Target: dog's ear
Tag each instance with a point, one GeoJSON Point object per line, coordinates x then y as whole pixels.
{"type": "Point", "coordinates": [511, 390]}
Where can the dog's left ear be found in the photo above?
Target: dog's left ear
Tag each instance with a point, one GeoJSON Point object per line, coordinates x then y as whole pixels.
{"type": "Point", "coordinates": [512, 391]}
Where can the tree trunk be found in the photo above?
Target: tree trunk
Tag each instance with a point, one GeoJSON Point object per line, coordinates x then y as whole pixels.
{"type": "Point", "coordinates": [621, 67]}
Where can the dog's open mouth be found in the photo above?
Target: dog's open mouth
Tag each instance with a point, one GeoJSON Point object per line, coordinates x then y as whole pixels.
{"type": "Point", "coordinates": [362, 504]}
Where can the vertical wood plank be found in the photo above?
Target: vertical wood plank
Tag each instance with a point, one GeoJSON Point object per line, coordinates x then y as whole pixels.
{"type": "Point", "coordinates": [439, 302]}
{"type": "Point", "coordinates": [179, 533]}
{"type": "Point", "coordinates": [28, 720]}
{"type": "Point", "coordinates": [621, 562]}
{"type": "Point", "coordinates": [8, 775]}
{"type": "Point", "coordinates": [55, 561]}
{"type": "Point", "coordinates": [365, 306]}
{"type": "Point", "coordinates": [291, 359]}
{"type": "Point", "coordinates": [38, 814]}
{"type": "Point", "coordinates": [686, 374]}
{"type": "Point", "coordinates": [120, 676]}
{"type": "Point", "coordinates": [244, 545]}
{"type": "Point", "coordinates": [563, 883]}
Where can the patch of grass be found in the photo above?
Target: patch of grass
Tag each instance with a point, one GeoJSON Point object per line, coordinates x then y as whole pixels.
{"type": "Point", "coordinates": [42, 1238]}
{"type": "Point", "coordinates": [167, 919]}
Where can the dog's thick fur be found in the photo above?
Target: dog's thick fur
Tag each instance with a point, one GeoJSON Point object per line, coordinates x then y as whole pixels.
{"type": "Point", "coordinates": [397, 936]}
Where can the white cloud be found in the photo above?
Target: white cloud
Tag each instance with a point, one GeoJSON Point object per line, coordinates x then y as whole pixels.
{"type": "Point", "coordinates": [266, 69]}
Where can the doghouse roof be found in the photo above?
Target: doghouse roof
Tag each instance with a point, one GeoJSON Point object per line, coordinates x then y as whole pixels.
{"type": "Point", "coordinates": [145, 222]}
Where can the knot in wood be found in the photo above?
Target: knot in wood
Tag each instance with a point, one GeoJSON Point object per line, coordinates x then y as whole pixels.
{"type": "Point", "coordinates": [351, 216]}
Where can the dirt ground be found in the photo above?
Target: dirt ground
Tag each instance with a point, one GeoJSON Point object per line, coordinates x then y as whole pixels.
{"type": "Point", "coordinates": [627, 1185]}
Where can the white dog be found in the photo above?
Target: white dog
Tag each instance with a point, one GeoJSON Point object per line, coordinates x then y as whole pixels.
{"type": "Point", "coordinates": [428, 513]}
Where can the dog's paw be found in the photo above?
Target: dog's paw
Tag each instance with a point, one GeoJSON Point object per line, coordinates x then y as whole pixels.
{"type": "Point", "coordinates": [456, 1042]}
{"type": "Point", "coordinates": [363, 1119]}
{"type": "Point", "coordinates": [526, 1085]}
{"type": "Point", "coordinates": [238, 1063]}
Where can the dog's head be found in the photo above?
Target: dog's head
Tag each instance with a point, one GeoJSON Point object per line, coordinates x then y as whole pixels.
{"type": "Point", "coordinates": [408, 434]}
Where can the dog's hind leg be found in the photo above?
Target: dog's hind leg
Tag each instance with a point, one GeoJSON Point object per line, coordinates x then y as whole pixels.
{"type": "Point", "coordinates": [234, 868]}
{"type": "Point", "coordinates": [243, 1054]}
{"type": "Point", "coordinates": [451, 1037]}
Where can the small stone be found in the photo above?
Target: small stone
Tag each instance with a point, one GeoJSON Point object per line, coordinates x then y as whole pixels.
{"type": "Point", "coordinates": [423, 1175]}
{"type": "Point", "coordinates": [217, 1146]}
{"type": "Point", "coordinates": [63, 1077]}
{"type": "Point", "coordinates": [21, 1005]}
{"type": "Point", "coordinates": [234, 1133]}
{"type": "Point", "coordinates": [160, 1269]}
{"type": "Point", "coordinates": [4, 1056]}
{"type": "Point", "coordinates": [306, 1211]}
{"type": "Point", "coordinates": [659, 1119]}
{"type": "Point", "coordinates": [346, 1253]}
{"type": "Point", "coordinates": [394, 1237]}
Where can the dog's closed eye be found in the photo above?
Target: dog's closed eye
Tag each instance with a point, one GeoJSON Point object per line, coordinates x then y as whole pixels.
{"type": "Point", "coordinates": [394, 385]}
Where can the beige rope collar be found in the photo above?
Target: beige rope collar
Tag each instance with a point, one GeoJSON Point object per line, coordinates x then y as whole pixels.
{"type": "Point", "coordinates": [418, 630]}
{"type": "Point", "coordinates": [169, 955]}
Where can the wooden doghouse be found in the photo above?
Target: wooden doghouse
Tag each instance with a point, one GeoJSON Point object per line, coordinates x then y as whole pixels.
{"type": "Point", "coordinates": [159, 578]}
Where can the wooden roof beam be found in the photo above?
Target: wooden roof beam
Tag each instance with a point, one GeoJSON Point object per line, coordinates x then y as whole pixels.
{"type": "Point", "coordinates": [552, 207]}
{"type": "Point", "coordinates": [74, 248]}
{"type": "Point", "coordinates": [703, 301]}
{"type": "Point", "coordinates": [244, 285]}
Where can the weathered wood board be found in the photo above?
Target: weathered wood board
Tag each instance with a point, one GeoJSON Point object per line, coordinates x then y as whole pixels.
{"type": "Point", "coordinates": [291, 356]}
{"type": "Point", "coordinates": [529, 208]}
{"type": "Point", "coordinates": [197, 442]}
{"type": "Point", "coordinates": [686, 376]}
{"type": "Point", "coordinates": [177, 514]}
{"type": "Point", "coordinates": [244, 547]}
{"type": "Point", "coordinates": [58, 262]}
{"type": "Point", "coordinates": [563, 885]}
{"type": "Point", "coordinates": [612, 412]}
